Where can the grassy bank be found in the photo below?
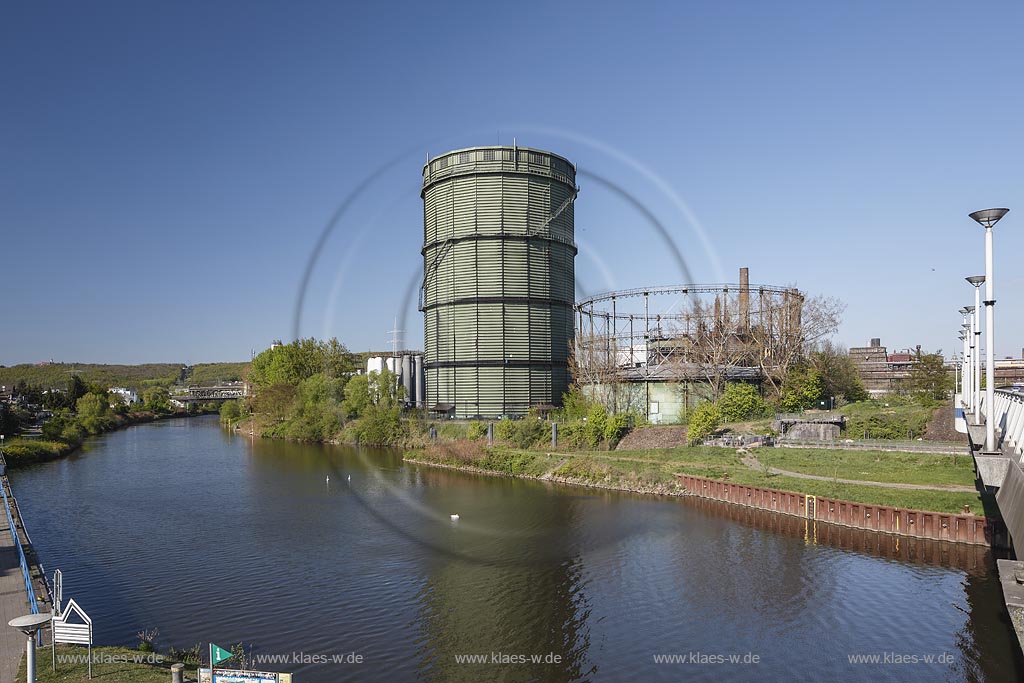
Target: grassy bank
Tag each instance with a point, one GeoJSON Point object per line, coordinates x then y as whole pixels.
{"type": "Point", "coordinates": [110, 664]}
{"type": "Point", "coordinates": [655, 471]}
{"type": "Point", "coordinates": [21, 451]}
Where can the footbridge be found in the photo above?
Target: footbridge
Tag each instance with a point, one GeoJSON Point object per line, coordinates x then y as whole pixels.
{"type": "Point", "coordinates": [1001, 471]}
{"type": "Point", "coordinates": [223, 392]}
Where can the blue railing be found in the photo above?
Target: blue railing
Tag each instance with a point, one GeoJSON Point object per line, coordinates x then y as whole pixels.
{"type": "Point", "coordinates": [33, 603]}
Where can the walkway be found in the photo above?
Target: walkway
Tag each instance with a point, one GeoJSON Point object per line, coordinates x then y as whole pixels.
{"type": "Point", "coordinates": [13, 603]}
{"type": "Point", "coordinates": [753, 463]}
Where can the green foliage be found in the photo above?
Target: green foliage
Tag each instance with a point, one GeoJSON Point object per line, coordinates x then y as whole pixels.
{"type": "Point", "coordinates": [56, 375]}
{"type": "Point", "coordinates": [157, 399]}
{"type": "Point", "coordinates": [379, 426]}
{"type": "Point", "coordinates": [575, 405]}
{"type": "Point", "coordinates": [299, 360]}
{"type": "Point", "coordinates": [523, 433]}
{"type": "Point", "coordinates": [23, 451]}
{"type": "Point", "coordinates": [889, 419]}
{"type": "Point", "coordinates": [596, 418]}
{"type": "Point", "coordinates": [839, 375]}
{"type": "Point", "coordinates": [316, 415]}
{"type": "Point", "coordinates": [230, 412]}
{"type": "Point", "coordinates": [372, 389]}
{"type": "Point", "coordinates": [615, 427]}
{"type": "Point", "coordinates": [476, 431]}
{"type": "Point", "coordinates": [741, 401]}
{"type": "Point", "coordinates": [802, 389]}
{"type": "Point", "coordinates": [704, 420]}
{"type": "Point", "coordinates": [928, 380]}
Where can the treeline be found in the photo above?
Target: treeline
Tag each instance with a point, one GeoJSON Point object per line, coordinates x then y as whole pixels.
{"type": "Point", "coordinates": [79, 410]}
{"type": "Point", "coordinates": [48, 376]}
{"type": "Point", "coordinates": [309, 390]}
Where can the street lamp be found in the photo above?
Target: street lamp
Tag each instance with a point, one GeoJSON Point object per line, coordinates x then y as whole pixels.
{"type": "Point", "coordinates": [967, 354]}
{"type": "Point", "coordinates": [987, 218]}
{"type": "Point", "coordinates": [977, 281]}
{"type": "Point", "coordinates": [30, 625]}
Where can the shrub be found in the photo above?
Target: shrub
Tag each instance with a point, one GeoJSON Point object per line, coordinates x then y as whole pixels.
{"type": "Point", "coordinates": [615, 427]}
{"type": "Point", "coordinates": [594, 428]}
{"type": "Point", "coordinates": [476, 431]}
{"type": "Point", "coordinates": [704, 420]}
{"type": "Point", "coordinates": [741, 402]}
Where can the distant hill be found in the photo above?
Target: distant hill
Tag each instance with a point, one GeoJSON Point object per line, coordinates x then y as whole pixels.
{"type": "Point", "coordinates": [56, 375]}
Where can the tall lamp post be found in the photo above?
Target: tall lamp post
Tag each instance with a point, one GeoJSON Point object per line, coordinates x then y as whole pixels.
{"type": "Point", "coordinates": [977, 281]}
{"type": "Point", "coordinates": [965, 397]}
{"type": "Point", "coordinates": [987, 218]}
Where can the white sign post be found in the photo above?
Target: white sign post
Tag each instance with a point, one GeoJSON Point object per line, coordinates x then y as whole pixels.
{"type": "Point", "coordinates": [77, 633]}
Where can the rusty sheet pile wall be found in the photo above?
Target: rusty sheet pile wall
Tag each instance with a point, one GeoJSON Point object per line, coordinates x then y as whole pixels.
{"type": "Point", "coordinates": [881, 518]}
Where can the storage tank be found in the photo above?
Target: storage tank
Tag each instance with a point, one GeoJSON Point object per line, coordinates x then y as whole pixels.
{"type": "Point", "coordinates": [498, 286]}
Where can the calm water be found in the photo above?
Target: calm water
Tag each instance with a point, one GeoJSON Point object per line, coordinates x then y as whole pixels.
{"type": "Point", "coordinates": [208, 536]}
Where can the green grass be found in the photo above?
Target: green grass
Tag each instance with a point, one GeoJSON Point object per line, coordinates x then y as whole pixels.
{"type": "Point", "coordinates": [891, 418]}
{"type": "Point", "coordinates": [657, 470]}
{"type": "Point", "coordinates": [110, 665]}
{"type": "Point", "coordinates": [887, 467]}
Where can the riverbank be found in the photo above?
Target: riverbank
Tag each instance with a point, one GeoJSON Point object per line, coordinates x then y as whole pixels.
{"type": "Point", "coordinates": [940, 484]}
{"type": "Point", "coordinates": [110, 664]}
{"type": "Point", "coordinates": [23, 451]}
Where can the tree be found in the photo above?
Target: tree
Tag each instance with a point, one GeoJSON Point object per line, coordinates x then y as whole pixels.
{"type": "Point", "coordinates": [802, 389]}
{"type": "Point", "coordinates": [157, 399]}
{"type": "Point", "coordinates": [839, 375]}
{"type": "Point", "coordinates": [741, 402]}
{"type": "Point", "coordinates": [929, 380]}
{"type": "Point", "coordinates": [704, 420]}
{"type": "Point", "coordinates": [299, 360]}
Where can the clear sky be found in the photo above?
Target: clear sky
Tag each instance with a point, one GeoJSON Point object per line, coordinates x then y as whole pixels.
{"type": "Point", "coordinates": [168, 167]}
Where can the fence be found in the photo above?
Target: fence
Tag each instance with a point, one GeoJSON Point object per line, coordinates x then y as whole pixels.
{"type": "Point", "coordinates": [938, 447]}
{"type": "Point", "coordinates": [33, 603]}
{"type": "Point", "coordinates": [882, 518]}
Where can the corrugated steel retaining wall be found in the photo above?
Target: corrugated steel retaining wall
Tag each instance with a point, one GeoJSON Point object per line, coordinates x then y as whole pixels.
{"type": "Point", "coordinates": [881, 518]}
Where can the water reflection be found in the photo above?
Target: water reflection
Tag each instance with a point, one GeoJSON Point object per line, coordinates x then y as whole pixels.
{"type": "Point", "coordinates": [213, 536]}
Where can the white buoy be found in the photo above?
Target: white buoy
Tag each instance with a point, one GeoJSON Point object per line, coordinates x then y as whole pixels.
{"type": "Point", "coordinates": [455, 518]}
{"type": "Point", "coordinates": [350, 477]}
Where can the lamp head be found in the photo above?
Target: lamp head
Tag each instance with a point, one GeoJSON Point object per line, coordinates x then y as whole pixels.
{"type": "Point", "coordinates": [976, 280]}
{"type": "Point", "coordinates": [988, 217]}
{"type": "Point", "coordinates": [30, 624]}
{"type": "Point", "coordinates": [963, 311]}
{"type": "Point", "coordinates": [969, 309]}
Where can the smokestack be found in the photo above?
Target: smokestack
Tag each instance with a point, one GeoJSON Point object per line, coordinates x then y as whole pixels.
{"type": "Point", "coordinates": [744, 299]}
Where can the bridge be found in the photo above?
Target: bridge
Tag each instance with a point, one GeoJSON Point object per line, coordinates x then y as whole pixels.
{"type": "Point", "coordinates": [223, 392]}
{"type": "Point", "coordinates": [1001, 471]}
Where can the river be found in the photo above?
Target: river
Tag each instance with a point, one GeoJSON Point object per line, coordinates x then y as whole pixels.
{"type": "Point", "coordinates": [347, 564]}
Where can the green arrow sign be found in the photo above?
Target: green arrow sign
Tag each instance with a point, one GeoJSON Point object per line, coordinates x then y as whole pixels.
{"type": "Point", "coordinates": [218, 654]}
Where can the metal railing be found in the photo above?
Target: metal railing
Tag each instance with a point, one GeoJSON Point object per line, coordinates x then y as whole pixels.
{"type": "Point", "coordinates": [33, 603]}
{"type": "Point", "coordinates": [937, 447]}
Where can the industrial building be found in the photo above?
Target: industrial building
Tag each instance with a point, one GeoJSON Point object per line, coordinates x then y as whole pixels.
{"type": "Point", "coordinates": [408, 367]}
{"type": "Point", "coordinates": [882, 372]}
{"type": "Point", "coordinates": [498, 280]}
{"type": "Point", "coordinates": [661, 350]}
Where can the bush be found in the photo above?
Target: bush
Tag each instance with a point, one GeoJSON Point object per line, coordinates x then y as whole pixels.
{"type": "Point", "coordinates": [505, 430]}
{"type": "Point", "coordinates": [741, 402]}
{"type": "Point", "coordinates": [615, 427]}
{"type": "Point", "coordinates": [597, 417]}
{"type": "Point", "coordinates": [704, 420]}
{"type": "Point", "coordinates": [476, 431]}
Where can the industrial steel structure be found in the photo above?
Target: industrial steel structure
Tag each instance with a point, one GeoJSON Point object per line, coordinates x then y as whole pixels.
{"type": "Point", "coordinates": [498, 280]}
{"type": "Point", "coordinates": [663, 349]}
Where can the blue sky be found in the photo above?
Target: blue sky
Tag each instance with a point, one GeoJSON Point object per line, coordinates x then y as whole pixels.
{"type": "Point", "coordinates": [169, 167]}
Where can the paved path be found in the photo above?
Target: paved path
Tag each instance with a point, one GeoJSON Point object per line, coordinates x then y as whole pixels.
{"type": "Point", "coordinates": [753, 463]}
{"type": "Point", "coordinates": [13, 603]}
